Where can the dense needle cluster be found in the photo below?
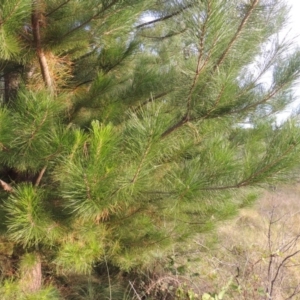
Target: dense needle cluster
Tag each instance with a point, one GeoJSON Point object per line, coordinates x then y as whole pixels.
{"type": "Point", "coordinates": [122, 127]}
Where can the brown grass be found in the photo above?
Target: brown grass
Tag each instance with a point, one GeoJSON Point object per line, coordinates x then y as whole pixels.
{"type": "Point", "coordinates": [258, 250]}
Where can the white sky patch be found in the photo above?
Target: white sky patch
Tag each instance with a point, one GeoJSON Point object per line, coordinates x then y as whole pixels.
{"type": "Point", "coordinates": [293, 30]}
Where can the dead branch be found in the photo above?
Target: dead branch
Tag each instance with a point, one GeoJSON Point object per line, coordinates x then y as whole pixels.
{"type": "Point", "coordinates": [7, 187]}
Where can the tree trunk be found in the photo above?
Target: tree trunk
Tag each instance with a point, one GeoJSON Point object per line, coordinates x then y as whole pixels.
{"type": "Point", "coordinates": [11, 86]}
{"type": "Point", "coordinates": [37, 23]}
{"type": "Point", "coordinates": [31, 273]}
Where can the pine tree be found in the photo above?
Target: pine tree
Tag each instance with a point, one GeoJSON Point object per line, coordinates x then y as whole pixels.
{"type": "Point", "coordinates": [122, 128]}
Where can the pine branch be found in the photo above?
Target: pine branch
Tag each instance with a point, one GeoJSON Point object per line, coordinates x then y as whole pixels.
{"type": "Point", "coordinates": [165, 36]}
{"type": "Point", "coordinates": [203, 29]}
{"type": "Point", "coordinates": [186, 118]}
{"type": "Point", "coordinates": [33, 134]}
{"type": "Point", "coordinates": [41, 174]}
{"type": "Point", "coordinates": [142, 162]}
{"type": "Point", "coordinates": [136, 211]}
{"type": "Point", "coordinates": [199, 67]}
{"type": "Point", "coordinates": [217, 101]}
{"type": "Point", "coordinates": [57, 8]}
{"type": "Point", "coordinates": [250, 179]}
{"type": "Point", "coordinates": [151, 99]}
{"type": "Point", "coordinates": [11, 13]}
{"type": "Point", "coordinates": [86, 22]}
{"type": "Point", "coordinates": [267, 66]}
{"type": "Point", "coordinates": [175, 13]}
{"type": "Point", "coordinates": [264, 100]}
{"type": "Point", "coordinates": [88, 189]}
{"type": "Point", "coordinates": [248, 107]}
{"type": "Point", "coordinates": [237, 34]}
{"type": "Point", "coordinates": [180, 123]}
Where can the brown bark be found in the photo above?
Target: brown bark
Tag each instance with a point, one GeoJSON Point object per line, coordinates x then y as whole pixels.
{"type": "Point", "coordinates": [31, 278]}
{"type": "Point", "coordinates": [180, 123]}
{"type": "Point", "coordinates": [11, 86]}
{"type": "Point", "coordinates": [37, 22]}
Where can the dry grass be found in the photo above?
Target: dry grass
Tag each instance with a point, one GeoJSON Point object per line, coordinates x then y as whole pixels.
{"type": "Point", "coordinates": [259, 250]}
{"type": "Point", "coordinates": [256, 255]}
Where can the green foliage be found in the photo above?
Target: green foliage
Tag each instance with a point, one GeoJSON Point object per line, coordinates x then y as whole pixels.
{"type": "Point", "coordinates": [10, 290]}
{"type": "Point", "coordinates": [31, 129]}
{"type": "Point", "coordinates": [12, 16]}
{"type": "Point", "coordinates": [120, 137]}
{"type": "Point", "coordinates": [80, 252]}
{"type": "Point", "coordinates": [28, 221]}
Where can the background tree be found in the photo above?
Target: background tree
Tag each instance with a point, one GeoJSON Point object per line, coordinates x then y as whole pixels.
{"type": "Point", "coordinates": [121, 136]}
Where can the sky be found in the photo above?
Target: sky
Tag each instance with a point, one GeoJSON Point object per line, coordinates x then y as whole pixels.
{"type": "Point", "coordinates": [294, 28]}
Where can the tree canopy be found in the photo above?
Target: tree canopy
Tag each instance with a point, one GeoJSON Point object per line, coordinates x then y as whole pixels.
{"type": "Point", "coordinates": [123, 127]}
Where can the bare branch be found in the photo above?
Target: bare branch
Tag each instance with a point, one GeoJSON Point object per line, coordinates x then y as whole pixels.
{"type": "Point", "coordinates": [175, 13]}
{"type": "Point", "coordinates": [37, 183]}
{"type": "Point", "coordinates": [279, 268]}
{"type": "Point", "coordinates": [7, 187]}
{"type": "Point", "coordinates": [138, 296]}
